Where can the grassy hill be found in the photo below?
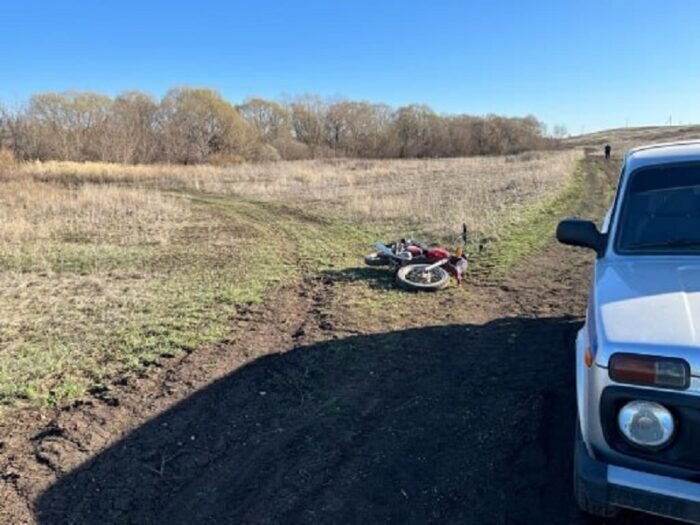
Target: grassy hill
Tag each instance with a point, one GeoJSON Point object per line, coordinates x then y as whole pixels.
{"type": "Point", "coordinates": [623, 139]}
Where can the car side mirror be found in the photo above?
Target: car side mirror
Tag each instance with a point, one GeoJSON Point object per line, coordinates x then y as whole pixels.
{"type": "Point", "coordinates": [580, 232]}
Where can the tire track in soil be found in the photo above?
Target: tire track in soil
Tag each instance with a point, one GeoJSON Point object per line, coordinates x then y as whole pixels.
{"type": "Point", "coordinates": [37, 446]}
{"type": "Point", "coordinates": [294, 420]}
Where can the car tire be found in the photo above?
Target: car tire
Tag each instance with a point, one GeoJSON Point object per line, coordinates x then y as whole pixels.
{"type": "Point", "coordinates": [583, 501]}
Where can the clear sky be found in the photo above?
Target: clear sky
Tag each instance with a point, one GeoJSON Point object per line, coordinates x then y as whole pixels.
{"type": "Point", "coordinates": [587, 64]}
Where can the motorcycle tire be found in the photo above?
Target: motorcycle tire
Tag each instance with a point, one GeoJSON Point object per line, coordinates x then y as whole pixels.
{"type": "Point", "coordinates": [412, 277]}
{"type": "Point", "coordinates": [377, 259]}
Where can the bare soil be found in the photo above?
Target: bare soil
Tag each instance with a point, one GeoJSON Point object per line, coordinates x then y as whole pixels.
{"type": "Point", "coordinates": [462, 411]}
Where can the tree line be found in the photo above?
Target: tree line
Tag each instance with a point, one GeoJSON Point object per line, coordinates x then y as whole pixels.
{"type": "Point", "coordinates": [193, 125]}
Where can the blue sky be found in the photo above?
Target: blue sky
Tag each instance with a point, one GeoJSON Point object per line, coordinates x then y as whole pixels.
{"type": "Point", "coordinates": [586, 64]}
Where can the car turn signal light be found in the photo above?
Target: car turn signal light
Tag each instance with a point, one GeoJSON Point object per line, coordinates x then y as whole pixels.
{"type": "Point", "coordinates": [650, 371]}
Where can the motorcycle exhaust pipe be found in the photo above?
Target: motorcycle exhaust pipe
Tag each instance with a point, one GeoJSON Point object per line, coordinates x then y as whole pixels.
{"type": "Point", "coordinates": [435, 265]}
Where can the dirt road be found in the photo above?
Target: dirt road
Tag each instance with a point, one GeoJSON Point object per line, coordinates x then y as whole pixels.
{"type": "Point", "coordinates": [460, 411]}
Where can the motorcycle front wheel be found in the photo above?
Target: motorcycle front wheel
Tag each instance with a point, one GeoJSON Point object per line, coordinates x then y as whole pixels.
{"type": "Point", "coordinates": [415, 277]}
{"type": "Point", "coordinates": [377, 259]}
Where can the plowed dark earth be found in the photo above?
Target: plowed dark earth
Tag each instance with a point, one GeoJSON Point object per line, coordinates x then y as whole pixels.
{"type": "Point", "coordinates": [461, 413]}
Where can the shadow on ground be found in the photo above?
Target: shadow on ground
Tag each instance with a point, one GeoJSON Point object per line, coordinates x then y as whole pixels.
{"type": "Point", "coordinates": [448, 424]}
{"type": "Point", "coordinates": [379, 278]}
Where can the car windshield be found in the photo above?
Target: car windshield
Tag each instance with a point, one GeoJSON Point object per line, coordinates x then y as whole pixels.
{"type": "Point", "coordinates": [661, 211]}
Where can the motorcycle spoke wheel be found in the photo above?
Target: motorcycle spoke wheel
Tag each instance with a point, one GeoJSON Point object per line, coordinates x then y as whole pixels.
{"type": "Point", "coordinates": [417, 277]}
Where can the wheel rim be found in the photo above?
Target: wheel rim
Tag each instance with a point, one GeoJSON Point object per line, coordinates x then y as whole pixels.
{"type": "Point", "coordinates": [421, 276]}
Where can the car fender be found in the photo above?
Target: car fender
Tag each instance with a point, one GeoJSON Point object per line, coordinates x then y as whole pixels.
{"type": "Point", "coordinates": [582, 387]}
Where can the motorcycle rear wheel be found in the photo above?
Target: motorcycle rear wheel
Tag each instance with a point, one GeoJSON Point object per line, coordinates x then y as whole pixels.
{"type": "Point", "coordinates": [414, 277]}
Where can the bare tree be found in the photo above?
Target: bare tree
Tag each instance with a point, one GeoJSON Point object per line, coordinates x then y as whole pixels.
{"type": "Point", "coordinates": [307, 114]}
{"type": "Point", "coordinates": [416, 129]}
{"type": "Point", "coordinates": [134, 132]}
{"type": "Point", "coordinates": [269, 119]}
{"type": "Point", "coordinates": [560, 131]}
{"type": "Point", "coordinates": [197, 125]}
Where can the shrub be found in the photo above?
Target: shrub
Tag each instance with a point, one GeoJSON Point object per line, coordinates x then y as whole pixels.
{"type": "Point", "coordinates": [266, 153]}
{"type": "Point", "coordinates": [8, 162]}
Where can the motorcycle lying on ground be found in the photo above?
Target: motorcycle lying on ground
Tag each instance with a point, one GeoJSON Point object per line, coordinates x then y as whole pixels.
{"type": "Point", "coordinates": [418, 267]}
{"type": "Point", "coordinates": [392, 253]}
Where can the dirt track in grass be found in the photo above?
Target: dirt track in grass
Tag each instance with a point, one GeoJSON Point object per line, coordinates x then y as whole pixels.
{"type": "Point", "coordinates": [447, 408]}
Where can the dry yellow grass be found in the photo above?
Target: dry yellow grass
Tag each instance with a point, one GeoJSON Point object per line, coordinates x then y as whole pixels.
{"type": "Point", "coordinates": [7, 161]}
{"type": "Point", "coordinates": [623, 139]}
{"type": "Point", "coordinates": [431, 196]}
{"type": "Point", "coordinates": [31, 211]}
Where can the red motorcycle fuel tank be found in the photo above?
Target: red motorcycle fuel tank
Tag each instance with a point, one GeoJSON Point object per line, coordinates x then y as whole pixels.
{"type": "Point", "coordinates": [435, 254]}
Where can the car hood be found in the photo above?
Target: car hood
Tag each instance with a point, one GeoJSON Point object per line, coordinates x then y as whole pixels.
{"type": "Point", "coordinates": [649, 304]}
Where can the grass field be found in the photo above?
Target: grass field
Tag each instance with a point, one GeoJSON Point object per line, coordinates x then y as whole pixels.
{"type": "Point", "coordinates": [433, 196]}
{"type": "Point", "coordinates": [105, 268]}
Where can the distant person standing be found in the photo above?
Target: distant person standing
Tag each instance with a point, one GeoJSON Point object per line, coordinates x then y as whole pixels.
{"type": "Point", "coordinates": [608, 149]}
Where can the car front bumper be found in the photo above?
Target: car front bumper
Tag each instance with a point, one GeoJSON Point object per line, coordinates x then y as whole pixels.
{"type": "Point", "coordinates": [625, 488]}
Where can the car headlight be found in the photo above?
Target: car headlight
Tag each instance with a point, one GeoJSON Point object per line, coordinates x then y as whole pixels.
{"type": "Point", "coordinates": [646, 424]}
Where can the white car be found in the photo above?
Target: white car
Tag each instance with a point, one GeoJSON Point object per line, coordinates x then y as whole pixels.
{"type": "Point", "coordinates": [638, 354]}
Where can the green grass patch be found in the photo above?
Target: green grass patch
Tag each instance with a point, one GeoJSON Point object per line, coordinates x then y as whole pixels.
{"type": "Point", "coordinates": [531, 228]}
{"type": "Point", "coordinates": [76, 314]}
